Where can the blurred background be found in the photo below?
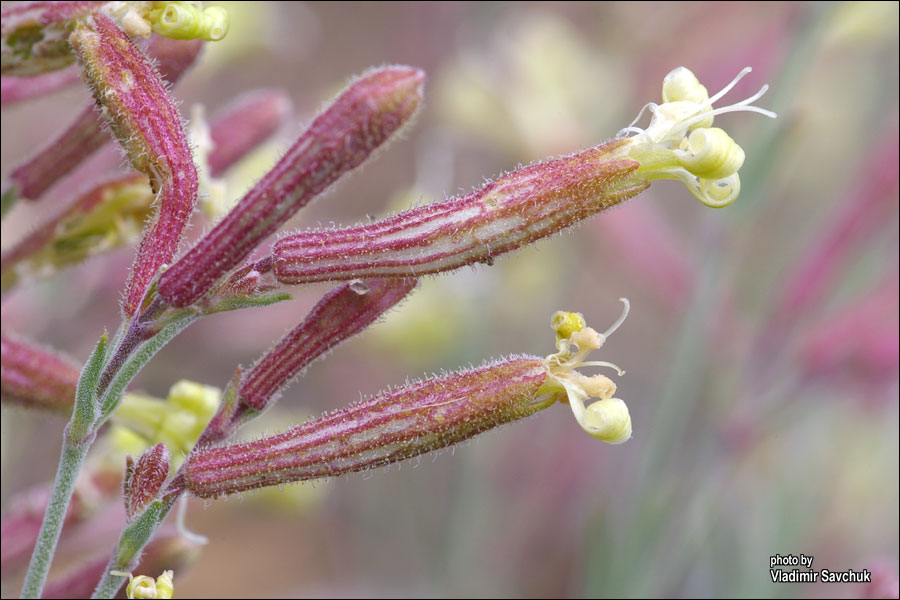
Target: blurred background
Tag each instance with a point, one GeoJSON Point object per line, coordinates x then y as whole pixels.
{"type": "Point", "coordinates": [761, 351]}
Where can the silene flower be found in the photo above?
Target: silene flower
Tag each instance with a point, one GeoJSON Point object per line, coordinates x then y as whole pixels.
{"type": "Point", "coordinates": [536, 201]}
{"type": "Point", "coordinates": [423, 416]}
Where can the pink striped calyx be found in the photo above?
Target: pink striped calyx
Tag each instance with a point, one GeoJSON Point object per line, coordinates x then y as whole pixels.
{"type": "Point", "coordinates": [144, 119]}
{"type": "Point", "coordinates": [536, 201]}
{"type": "Point", "coordinates": [35, 376]}
{"type": "Point", "coordinates": [144, 479]}
{"type": "Point", "coordinates": [422, 416]}
{"type": "Point", "coordinates": [519, 208]}
{"type": "Point", "coordinates": [389, 427]}
{"type": "Point", "coordinates": [341, 314]}
{"type": "Point", "coordinates": [370, 111]}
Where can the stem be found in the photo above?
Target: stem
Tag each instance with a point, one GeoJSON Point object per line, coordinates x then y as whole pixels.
{"type": "Point", "coordinates": [95, 391]}
{"type": "Point", "coordinates": [70, 461]}
{"type": "Point", "coordinates": [132, 541]}
{"type": "Point", "coordinates": [109, 584]}
{"type": "Point", "coordinates": [111, 394]}
{"type": "Point", "coordinates": [79, 435]}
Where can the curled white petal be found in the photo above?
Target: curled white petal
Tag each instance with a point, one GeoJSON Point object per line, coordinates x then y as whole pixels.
{"type": "Point", "coordinates": [711, 154]}
{"type": "Point", "coordinates": [608, 420]}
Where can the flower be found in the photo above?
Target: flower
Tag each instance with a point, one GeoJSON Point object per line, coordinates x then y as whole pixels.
{"type": "Point", "coordinates": [681, 143]}
{"type": "Point", "coordinates": [142, 421]}
{"type": "Point", "coordinates": [422, 416]}
{"type": "Point", "coordinates": [607, 419]}
{"type": "Point", "coordinates": [144, 118]}
{"type": "Point", "coordinates": [365, 116]}
{"type": "Point", "coordinates": [534, 202]}
{"type": "Point", "coordinates": [144, 586]}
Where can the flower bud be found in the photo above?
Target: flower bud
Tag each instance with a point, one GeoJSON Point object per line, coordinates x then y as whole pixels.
{"type": "Point", "coordinates": [35, 376]}
{"type": "Point", "coordinates": [144, 480]}
{"type": "Point", "coordinates": [341, 314]}
{"type": "Point", "coordinates": [389, 427]}
{"type": "Point", "coordinates": [146, 122]}
{"type": "Point", "coordinates": [420, 417]}
{"type": "Point", "coordinates": [362, 118]}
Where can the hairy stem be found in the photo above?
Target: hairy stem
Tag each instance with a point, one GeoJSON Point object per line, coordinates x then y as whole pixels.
{"type": "Point", "coordinates": [70, 462]}
{"type": "Point", "coordinates": [101, 385]}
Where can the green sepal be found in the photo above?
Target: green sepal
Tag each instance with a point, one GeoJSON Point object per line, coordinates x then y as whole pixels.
{"type": "Point", "coordinates": [84, 414]}
{"type": "Point", "coordinates": [138, 533]}
{"type": "Point", "coordinates": [237, 303]}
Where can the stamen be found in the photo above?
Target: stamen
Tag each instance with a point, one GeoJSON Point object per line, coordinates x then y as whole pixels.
{"type": "Point", "coordinates": [620, 320]}
{"type": "Point", "coordinates": [736, 107]}
{"type": "Point", "coordinates": [729, 87]}
{"type": "Point", "coordinates": [603, 363]}
{"type": "Point", "coordinates": [652, 106]}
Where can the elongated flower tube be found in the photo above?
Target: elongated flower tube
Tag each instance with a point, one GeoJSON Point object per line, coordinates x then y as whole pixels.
{"type": "Point", "coordinates": [520, 208]}
{"type": "Point", "coordinates": [147, 124]}
{"type": "Point", "coordinates": [86, 134]}
{"type": "Point", "coordinates": [420, 417]}
{"type": "Point", "coordinates": [35, 376]}
{"type": "Point", "coordinates": [342, 313]}
{"type": "Point", "coordinates": [113, 213]}
{"type": "Point", "coordinates": [534, 202]}
{"type": "Point", "coordinates": [362, 118]}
